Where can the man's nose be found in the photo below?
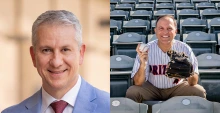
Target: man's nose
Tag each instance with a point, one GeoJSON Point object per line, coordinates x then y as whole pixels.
{"type": "Point", "coordinates": [56, 60]}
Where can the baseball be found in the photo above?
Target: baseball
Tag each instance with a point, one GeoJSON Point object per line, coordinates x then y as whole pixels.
{"type": "Point", "coordinates": [143, 47]}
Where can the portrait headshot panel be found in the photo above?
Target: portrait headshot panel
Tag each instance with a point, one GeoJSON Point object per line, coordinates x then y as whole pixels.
{"type": "Point", "coordinates": [20, 78]}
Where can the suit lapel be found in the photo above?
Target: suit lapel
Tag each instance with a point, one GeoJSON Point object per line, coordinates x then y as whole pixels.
{"type": "Point", "coordinates": [84, 99]}
{"type": "Point", "coordinates": [34, 103]}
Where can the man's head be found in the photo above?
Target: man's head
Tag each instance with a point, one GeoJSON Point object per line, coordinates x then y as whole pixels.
{"type": "Point", "coordinates": [166, 29]}
{"type": "Point", "coordinates": [57, 50]}
{"type": "Point", "coordinates": [57, 17]}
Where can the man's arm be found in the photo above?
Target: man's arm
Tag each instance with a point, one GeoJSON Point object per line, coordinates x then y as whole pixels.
{"type": "Point", "coordinates": [139, 77]}
{"type": "Point", "coordinates": [193, 80]}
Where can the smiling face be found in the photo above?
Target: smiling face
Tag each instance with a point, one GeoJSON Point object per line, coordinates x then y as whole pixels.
{"type": "Point", "coordinates": [165, 30]}
{"type": "Point", "coordinates": [57, 57]}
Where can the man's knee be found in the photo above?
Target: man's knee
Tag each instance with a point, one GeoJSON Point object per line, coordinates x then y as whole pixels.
{"type": "Point", "coordinates": [198, 91]}
{"type": "Point", "coordinates": [132, 91]}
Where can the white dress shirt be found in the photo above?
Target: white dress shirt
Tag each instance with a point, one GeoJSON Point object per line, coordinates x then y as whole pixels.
{"type": "Point", "coordinates": [69, 97]}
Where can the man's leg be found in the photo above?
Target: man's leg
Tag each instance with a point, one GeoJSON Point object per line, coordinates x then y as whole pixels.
{"type": "Point", "coordinates": [185, 89]}
{"type": "Point", "coordinates": [145, 92]}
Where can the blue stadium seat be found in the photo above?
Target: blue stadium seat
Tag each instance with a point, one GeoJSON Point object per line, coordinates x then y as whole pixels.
{"type": "Point", "coordinates": [120, 75]}
{"type": "Point", "coordinates": [209, 13]}
{"type": "Point", "coordinates": [186, 13]}
{"type": "Point", "coordinates": [119, 15]}
{"type": "Point", "coordinates": [136, 25]}
{"type": "Point", "coordinates": [214, 25]}
{"type": "Point", "coordinates": [160, 6]}
{"type": "Point", "coordinates": [125, 105]}
{"type": "Point", "coordinates": [164, 1]}
{"type": "Point", "coordinates": [144, 6]}
{"type": "Point", "coordinates": [192, 24]}
{"type": "Point", "coordinates": [115, 27]}
{"type": "Point", "coordinates": [114, 2]}
{"type": "Point", "coordinates": [204, 5]}
{"type": "Point", "coordinates": [184, 5]}
{"type": "Point", "coordinates": [129, 1]}
{"type": "Point", "coordinates": [125, 7]}
{"type": "Point", "coordinates": [200, 42]}
{"type": "Point", "coordinates": [125, 44]}
{"type": "Point", "coordinates": [141, 14]}
{"type": "Point", "coordinates": [163, 12]}
{"type": "Point", "coordinates": [187, 104]}
{"type": "Point", "coordinates": [146, 1]}
{"type": "Point", "coordinates": [198, 1]}
{"type": "Point", "coordinates": [209, 71]}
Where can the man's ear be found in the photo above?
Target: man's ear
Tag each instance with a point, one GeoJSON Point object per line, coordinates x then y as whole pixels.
{"type": "Point", "coordinates": [82, 51]}
{"type": "Point", "coordinates": [32, 53]}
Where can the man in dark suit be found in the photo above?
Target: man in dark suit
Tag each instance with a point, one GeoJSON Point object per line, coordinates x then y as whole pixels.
{"type": "Point", "coordinates": [57, 52]}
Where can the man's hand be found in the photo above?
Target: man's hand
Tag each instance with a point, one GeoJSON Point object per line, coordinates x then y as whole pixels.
{"type": "Point", "coordinates": [142, 54]}
{"type": "Point", "coordinates": [139, 77]}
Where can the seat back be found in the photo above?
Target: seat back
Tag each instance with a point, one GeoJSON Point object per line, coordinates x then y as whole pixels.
{"type": "Point", "coordinates": [186, 104]}
{"type": "Point", "coordinates": [125, 105]}
{"type": "Point", "coordinates": [120, 74]}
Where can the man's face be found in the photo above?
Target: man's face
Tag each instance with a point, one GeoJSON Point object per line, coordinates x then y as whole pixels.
{"type": "Point", "coordinates": [57, 56]}
{"type": "Point", "coordinates": [165, 30]}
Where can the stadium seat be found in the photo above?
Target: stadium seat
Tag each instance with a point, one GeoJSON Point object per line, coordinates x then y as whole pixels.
{"type": "Point", "coordinates": [125, 7]}
{"type": "Point", "coordinates": [186, 13]}
{"type": "Point", "coordinates": [163, 12]}
{"type": "Point", "coordinates": [152, 37]}
{"type": "Point", "coordinates": [164, 1]}
{"type": "Point", "coordinates": [160, 6]}
{"type": "Point", "coordinates": [192, 24]}
{"type": "Point", "coordinates": [209, 13]}
{"type": "Point", "coordinates": [115, 27]}
{"type": "Point", "coordinates": [184, 5]}
{"type": "Point", "coordinates": [209, 71]}
{"type": "Point", "coordinates": [136, 25]}
{"type": "Point", "coordinates": [181, 1]}
{"type": "Point", "coordinates": [144, 6]}
{"type": "Point", "coordinates": [129, 1]}
{"type": "Point", "coordinates": [217, 6]}
{"type": "Point", "coordinates": [214, 25]}
{"type": "Point", "coordinates": [125, 105]}
{"type": "Point", "coordinates": [215, 1]}
{"type": "Point", "coordinates": [141, 14]}
{"type": "Point", "coordinates": [120, 74]}
{"type": "Point", "coordinates": [146, 1]}
{"type": "Point", "coordinates": [119, 15]}
{"type": "Point", "coordinates": [112, 7]}
{"type": "Point", "coordinates": [114, 2]}
{"type": "Point", "coordinates": [204, 5]}
{"type": "Point", "coordinates": [200, 42]}
{"type": "Point", "coordinates": [186, 104]}
{"type": "Point", "coordinates": [198, 1]}
{"type": "Point", "coordinates": [125, 44]}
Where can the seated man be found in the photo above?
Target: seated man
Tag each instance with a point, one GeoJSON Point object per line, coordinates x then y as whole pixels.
{"type": "Point", "coordinates": [149, 68]}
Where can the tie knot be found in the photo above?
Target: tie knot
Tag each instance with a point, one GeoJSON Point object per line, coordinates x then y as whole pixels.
{"type": "Point", "coordinates": [59, 106]}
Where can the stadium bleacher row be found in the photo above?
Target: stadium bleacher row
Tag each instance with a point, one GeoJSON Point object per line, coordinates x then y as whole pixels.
{"type": "Point", "coordinates": [133, 22]}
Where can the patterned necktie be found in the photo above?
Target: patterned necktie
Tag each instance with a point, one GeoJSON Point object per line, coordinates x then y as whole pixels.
{"type": "Point", "coordinates": [59, 106]}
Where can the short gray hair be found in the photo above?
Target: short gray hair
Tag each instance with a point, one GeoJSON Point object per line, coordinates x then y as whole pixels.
{"type": "Point", "coordinates": [60, 17]}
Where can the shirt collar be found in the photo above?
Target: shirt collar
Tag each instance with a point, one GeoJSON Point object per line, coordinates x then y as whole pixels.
{"type": "Point", "coordinates": [69, 97]}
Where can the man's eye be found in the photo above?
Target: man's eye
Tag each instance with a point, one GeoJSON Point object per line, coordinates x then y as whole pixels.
{"type": "Point", "coordinates": [170, 29]}
{"type": "Point", "coordinates": [66, 49]}
{"type": "Point", "coordinates": [46, 50]}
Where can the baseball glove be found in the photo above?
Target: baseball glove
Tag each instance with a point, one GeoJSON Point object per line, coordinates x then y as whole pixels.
{"type": "Point", "coordinates": [179, 65]}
